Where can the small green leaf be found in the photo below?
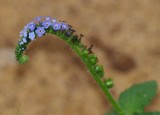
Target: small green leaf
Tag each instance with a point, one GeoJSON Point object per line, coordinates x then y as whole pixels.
{"type": "Point", "coordinates": [149, 113]}
{"type": "Point", "coordinates": [134, 99]}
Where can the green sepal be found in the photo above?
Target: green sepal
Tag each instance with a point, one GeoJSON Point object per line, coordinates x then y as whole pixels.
{"type": "Point", "coordinates": [108, 83]}
{"type": "Point", "coordinates": [99, 70]}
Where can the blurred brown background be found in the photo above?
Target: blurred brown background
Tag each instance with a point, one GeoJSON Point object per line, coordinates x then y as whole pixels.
{"type": "Point", "coordinates": [126, 36]}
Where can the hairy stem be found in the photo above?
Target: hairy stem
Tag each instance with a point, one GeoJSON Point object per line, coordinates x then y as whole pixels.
{"type": "Point", "coordinates": [99, 81]}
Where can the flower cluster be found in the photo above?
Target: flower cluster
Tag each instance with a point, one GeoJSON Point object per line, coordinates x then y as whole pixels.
{"type": "Point", "coordinates": [39, 26]}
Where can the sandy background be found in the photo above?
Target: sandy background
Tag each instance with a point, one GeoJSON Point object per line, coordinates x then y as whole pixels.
{"type": "Point", "coordinates": [126, 36]}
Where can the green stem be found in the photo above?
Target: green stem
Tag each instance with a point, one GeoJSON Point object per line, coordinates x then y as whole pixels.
{"type": "Point", "coordinates": [98, 80]}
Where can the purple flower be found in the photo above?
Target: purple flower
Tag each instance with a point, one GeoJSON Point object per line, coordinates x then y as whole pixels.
{"type": "Point", "coordinates": [26, 27]}
{"type": "Point", "coordinates": [54, 20]}
{"type": "Point", "coordinates": [38, 18]}
{"type": "Point", "coordinates": [46, 23]}
{"type": "Point", "coordinates": [56, 26]}
{"type": "Point", "coordinates": [48, 18]}
{"type": "Point", "coordinates": [23, 33]}
{"type": "Point", "coordinates": [31, 26]}
{"type": "Point", "coordinates": [64, 26]}
{"type": "Point", "coordinates": [24, 40]}
{"type": "Point", "coordinates": [40, 31]}
{"type": "Point", "coordinates": [21, 43]}
{"type": "Point", "coordinates": [32, 36]}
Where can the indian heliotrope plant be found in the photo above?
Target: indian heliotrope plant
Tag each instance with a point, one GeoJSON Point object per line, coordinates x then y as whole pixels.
{"type": "Point", "coordinates": [47, 25]}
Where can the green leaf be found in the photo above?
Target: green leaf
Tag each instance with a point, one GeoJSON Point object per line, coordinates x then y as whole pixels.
{"type": "Point", "coordinates": [149, 113]}
{"type": "Point", "coordinates": [145, 113]}
{"type": "Point", "coordinates": [134, 99]}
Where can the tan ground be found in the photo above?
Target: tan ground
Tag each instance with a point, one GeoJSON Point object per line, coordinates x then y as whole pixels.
{"type": "Point", "coordinates": [126, 35]}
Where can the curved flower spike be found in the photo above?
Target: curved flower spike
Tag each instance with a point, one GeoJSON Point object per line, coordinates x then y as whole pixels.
{"type": "Point", "coordinates": [64, 31]}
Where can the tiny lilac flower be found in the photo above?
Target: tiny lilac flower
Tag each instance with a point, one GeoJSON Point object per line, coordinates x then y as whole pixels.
{"type": "Point", "coordinates": [64, 26]}
{"type": "Point", "coordinates": [38, 18]}
{"type": "Point", "coordinates": [48, 18]}
{"type": "Point", "coordinates": [23, 33]}
{"type": "Point", "coordinates": [54, 20]}
{"type": "Point", "coordinates": [40, 31]}
{"type": "Point", "coordinates": [21, 43]}
{"type": "Point", "coordinates": [46, 23]}
{"type": "Point", "coordinates": [26, 27]}
{"type": "Point", "coordinates": [32, 36]}
{"type": "Point", "coordinates": [24, 40]}
{"type": "Point", "coordinates": [31, 26]}
{"type": "Point", "coordinates": [56, 26]}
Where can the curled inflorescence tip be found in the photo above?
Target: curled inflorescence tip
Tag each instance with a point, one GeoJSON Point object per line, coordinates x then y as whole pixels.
{"type": "Point", "coordinates": [37, 28]}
